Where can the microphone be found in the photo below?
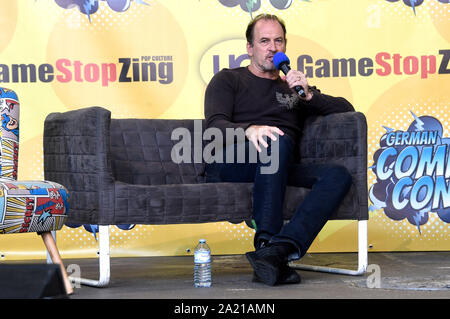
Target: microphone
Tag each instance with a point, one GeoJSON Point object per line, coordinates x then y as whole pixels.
{"type": "Point", "coordinates": [281, 62]}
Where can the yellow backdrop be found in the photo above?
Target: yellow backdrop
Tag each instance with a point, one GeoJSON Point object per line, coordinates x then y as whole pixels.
{"type": "Point", "coordinates": [390, 59]}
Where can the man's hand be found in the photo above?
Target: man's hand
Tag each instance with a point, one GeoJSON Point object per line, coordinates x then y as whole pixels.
{"type": "Point", "coordinates": [294, 78]}
{"type": "Point", "coordinates": [255, 134]}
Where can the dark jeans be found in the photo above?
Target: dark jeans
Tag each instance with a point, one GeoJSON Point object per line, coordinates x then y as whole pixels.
{"type": "Point", "coordinates": [329, 183]}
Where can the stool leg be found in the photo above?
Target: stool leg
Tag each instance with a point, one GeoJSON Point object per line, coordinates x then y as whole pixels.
{"type": "Point", "coordinates": [56, 259]}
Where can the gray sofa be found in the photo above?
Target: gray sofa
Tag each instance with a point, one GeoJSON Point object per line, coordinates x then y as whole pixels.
{"type": "Point", "coordinates": [120, 171]}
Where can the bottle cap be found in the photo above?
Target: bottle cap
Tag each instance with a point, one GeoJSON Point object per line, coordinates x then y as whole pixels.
{"type": "Point", "coordinates": [202, 241]}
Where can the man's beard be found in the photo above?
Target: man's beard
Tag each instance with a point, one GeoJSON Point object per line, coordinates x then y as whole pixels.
{"type": "Point", "coordinates": [268, 67]}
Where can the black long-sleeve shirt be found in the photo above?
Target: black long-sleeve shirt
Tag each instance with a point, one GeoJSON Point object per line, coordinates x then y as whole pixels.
{"type": "Point", "coordinates": [236, 98]}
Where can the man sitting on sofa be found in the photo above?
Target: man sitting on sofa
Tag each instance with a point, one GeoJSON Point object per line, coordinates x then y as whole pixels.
{"type": "Point", "coordinates": [263, 103]}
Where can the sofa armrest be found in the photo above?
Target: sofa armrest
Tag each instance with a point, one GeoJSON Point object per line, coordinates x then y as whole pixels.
{"type": "Point", "coordinates": [76, 155]}
{"type": "Point", "coordinates": [339, 138]}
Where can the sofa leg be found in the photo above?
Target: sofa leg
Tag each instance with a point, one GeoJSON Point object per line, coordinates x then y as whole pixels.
{"type": "Point", "coordinates": [362, 257]}
{"type": "Point", "coordinates": [52, 250]}
{"type": "Point", "coordinates": [104, 261]}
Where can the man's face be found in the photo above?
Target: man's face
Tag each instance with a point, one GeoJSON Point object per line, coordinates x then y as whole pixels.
{"type": "Point", "coordinates": [268, 39]}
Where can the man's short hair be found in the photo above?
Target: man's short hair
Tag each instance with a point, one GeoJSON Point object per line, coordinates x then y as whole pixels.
{"type": "Point", "coordinates": [262, 16]}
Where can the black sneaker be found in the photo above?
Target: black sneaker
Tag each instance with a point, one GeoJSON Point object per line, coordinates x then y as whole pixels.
{"type": "Point", "coordinates": [268, 262]}
{"type": "Point", "coordinates": [266, 269]}
{"type": "Point", "coordinates": [287, 276]}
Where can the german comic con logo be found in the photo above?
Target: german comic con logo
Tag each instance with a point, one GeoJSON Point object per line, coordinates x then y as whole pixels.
{"type": "Point", "coordinates": [413, 172]}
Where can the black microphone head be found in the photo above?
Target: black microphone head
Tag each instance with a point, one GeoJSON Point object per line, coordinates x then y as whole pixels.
{"type": "Point", "coordinates": [280, 58]}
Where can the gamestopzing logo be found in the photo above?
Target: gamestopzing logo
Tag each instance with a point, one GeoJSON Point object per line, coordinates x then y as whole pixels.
{"type": "Point", "coordinates": [413, 172]}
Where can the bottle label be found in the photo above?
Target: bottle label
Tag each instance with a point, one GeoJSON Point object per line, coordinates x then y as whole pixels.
{"type": "Point", "coordinates": [202, 257]}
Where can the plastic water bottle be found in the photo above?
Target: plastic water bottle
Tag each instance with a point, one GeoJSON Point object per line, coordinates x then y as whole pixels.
{"type": "Point", "coordinates": [202, 268]}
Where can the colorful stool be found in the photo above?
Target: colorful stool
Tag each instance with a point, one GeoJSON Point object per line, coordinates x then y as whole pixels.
{"type": "Point", "coordinates": [27, 206]}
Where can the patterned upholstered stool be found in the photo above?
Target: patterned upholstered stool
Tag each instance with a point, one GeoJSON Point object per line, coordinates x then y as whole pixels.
{"type": "Point", "coordinates": [27, 206]}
